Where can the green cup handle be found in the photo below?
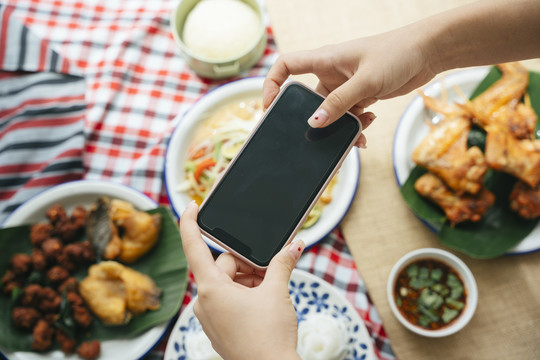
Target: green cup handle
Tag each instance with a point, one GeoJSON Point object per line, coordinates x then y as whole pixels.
{"type": "Point", "coordinates": [227, 68]}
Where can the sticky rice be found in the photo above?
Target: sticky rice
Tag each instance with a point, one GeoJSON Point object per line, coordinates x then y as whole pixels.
{"type": "Point", "coordinates": [219, 30]}
{"type": "Point", "coordinates": [322, 337]}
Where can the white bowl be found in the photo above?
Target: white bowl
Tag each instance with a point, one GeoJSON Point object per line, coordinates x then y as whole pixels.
{"type": "Point", "coordinates": [217, 69]}
{"type": "Point", "coordinates": [455, 263]}
{"type": "Point", "coordinates": [175, 158]}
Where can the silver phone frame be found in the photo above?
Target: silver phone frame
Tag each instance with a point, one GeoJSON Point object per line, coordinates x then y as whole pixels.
{"type": "Point", "coordinates": [299, 224]}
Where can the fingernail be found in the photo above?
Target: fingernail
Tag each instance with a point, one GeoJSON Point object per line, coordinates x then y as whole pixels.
{"type": "Point", "coordinates": [192, 203]}
{"type": "Point", "coordinates": [371, 117]}
{"type": "Point", "coordinates": [362, 143]}
{"type": "Point", "coordinates": [296, 248]}
{"type": "Point", "coordinates": [318, 119]}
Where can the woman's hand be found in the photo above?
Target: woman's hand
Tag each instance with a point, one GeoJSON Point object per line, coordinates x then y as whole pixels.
{"type": "Point", "coordinates": [245, 313]}
{"type": "Point", "coordinates": [355, 74]}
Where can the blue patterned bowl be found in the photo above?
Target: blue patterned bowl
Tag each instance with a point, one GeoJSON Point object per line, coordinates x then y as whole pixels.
{"type": "Point", "coordinates": [310, 295]}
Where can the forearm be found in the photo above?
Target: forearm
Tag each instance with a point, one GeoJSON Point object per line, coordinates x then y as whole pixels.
{"type": "Point", "coordinates": [482, 33]}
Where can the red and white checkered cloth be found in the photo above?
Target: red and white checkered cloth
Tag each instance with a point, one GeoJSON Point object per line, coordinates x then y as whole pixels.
{"type": "Point", "coordinates": [90, 89]}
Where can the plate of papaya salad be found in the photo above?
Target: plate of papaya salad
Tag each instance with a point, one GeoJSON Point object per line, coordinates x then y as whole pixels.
{"type": "Point", "coordinates": [208, 136]}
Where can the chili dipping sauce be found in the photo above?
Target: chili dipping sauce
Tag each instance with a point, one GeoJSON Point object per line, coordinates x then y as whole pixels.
{"type": "Point", "coordinates": [429, 294]}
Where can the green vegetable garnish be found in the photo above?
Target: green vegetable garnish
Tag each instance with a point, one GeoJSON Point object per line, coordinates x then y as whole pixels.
{"type": "Point", "coordinates": [458, 305]}
{"type": "Point", "coordinates": [436, 274]}
{"type": "Point", "coordinates": [449, 314]}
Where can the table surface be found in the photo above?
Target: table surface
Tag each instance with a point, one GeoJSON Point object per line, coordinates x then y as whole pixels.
{"type": "Point", "coordinates": [380, 228]}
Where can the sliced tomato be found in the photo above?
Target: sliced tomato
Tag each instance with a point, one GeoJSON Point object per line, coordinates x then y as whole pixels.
{"type": "Point", "coordinates": [203, 165]}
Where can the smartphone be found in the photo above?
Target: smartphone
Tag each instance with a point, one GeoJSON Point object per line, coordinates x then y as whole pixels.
{"type": "Point", "coordinates": [269, 188]}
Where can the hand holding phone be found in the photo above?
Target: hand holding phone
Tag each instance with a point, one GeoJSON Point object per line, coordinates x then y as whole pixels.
{"type": "Point", "coordinates": [271, 185]}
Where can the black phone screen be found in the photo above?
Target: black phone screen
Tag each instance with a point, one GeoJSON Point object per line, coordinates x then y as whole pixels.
{"type": "Point", "coordinates": [259, 202]}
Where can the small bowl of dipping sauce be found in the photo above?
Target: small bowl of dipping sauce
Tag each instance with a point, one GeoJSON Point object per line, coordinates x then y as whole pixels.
{"type": "Point", "coordinates": [219, 38]}
{"type": "Point", "coordinates": [432, 292]}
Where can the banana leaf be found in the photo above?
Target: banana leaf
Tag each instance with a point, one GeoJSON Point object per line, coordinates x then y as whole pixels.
{"type": "Point", "coordinates": [501, 229]}
{"type": "Point", "coordinates": [165, 263]}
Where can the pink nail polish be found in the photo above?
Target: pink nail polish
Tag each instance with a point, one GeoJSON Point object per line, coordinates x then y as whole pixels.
{"type": "Point", "coordinates": [318, 119]}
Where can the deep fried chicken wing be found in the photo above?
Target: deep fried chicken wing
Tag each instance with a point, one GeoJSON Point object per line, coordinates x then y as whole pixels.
{"type": "Point", "coordinates": [458, 208]}
{"type": "Point", "coordinates": [444, 152]}
{"type": "Point", "coordinates": [510, 86]}
{"type": "Point", "coordinates": [520, 158]}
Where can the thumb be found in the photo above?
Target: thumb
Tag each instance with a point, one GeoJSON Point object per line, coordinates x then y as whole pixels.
{"type": "Point", "coordinates": [337, 103]}
{"type": "Point", "coordinates": [282, 264]}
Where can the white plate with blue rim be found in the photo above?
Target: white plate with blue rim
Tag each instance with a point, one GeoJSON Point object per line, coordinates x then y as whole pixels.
{"type": "Point", "coordinates": [71, 194]}
{"type": "Point", "coordinates": [312, 297]}
{"type": "Point", "coordinates": [343, 193]}
{"type": "Point", "coordinates": [412, 129]}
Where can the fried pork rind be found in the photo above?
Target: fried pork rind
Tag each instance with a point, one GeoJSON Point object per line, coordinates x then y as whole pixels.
{"type": "Point", "coordinates": [118, 231]}
{"type": "Point", "coordinates": [115, 292]}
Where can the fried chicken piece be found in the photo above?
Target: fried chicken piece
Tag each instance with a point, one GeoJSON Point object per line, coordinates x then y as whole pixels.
{"type": "Point", "coordinates": [78, 217]}
{"type": "Point", "coordinates": [9, 276]}
{"type": "Point", "coordinates": [525, 200]}
{"type": "Point", "coordinates": [109, 218]}
{"type": "Point", "coordinates": [56, 213]}
{"type": "Point", "coordinates": [66, 230]}
{"type": "Point", "coordinates": [52, 248]}
{"type": "Point", "coordinates": [39, 262]}
{"type": "Point", "coordinates": [89, 349]}
{"type": "Point", "coordinates": [458, 208]}
{"type": "Point", "coordinates": [67, 263]}
{"type": "Point", "coordinates": [32, 295]}
{"type": "Point", "coordinates": [520, 158]}
{"type": "Point", "coordinates": [10, 281]}
{"type": "Point", "coordinates": [509, 87]}
{"type": "Point", "coordinates": [88, 255]}
{"type": "Point", "coordinates": [49, 301]}
{"type": "Point", "coordinates": [448, 109]}
{"type": "Point", "coordinates": [79, 253]}
{"type": "Point", "coordinates": [142, 292]}
{"type": "Point", "coordinates": [25, 317]}
{"type": "Point", "coordinates": [43, 335]}
{"type": "Point", "coordinates": [444, 152]}
{"type": "Point", "coordinates": [21, 264]}
{"type": "Point", "coordinates": [519, 118]}
{"type": "Point", "coordinates": [70, 285]}
{"type": "Point", "coordinates": [57, 274]}
{"type": "Point", "coordinates": [82, 316]}
{"type": "Point", "coordinates": [114, 292]}
{"type": "Point", "coordinates": [67, 345]}
{"type": "Point", "coordinates": [141, 234]}
{"type": "Point", "coordinates": [9, 287]}
{"type": "Point", "coordinates": [105, 296]}
{"type": "Point", "coordinates": [39, 233]}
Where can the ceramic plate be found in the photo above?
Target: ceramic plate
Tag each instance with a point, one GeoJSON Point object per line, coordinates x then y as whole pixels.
{"type": "Point", "coordinates": [412, 129]}
{"type": "Point", "coordinates": [344, 190]}
{"type": "Point", "coordinates": [310, 295]}
{"type": "Point", "coordinates": [84, 192]}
